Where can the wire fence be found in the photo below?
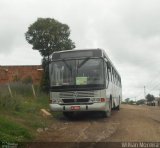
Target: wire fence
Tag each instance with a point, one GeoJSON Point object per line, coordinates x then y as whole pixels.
{"type": "Point", "coordinates": [19, 88]}
{"type": "Point", "coordinates": [13, 95]}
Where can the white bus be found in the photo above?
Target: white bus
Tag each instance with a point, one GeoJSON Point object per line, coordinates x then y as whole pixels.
{"type": "Point", "coordinates": [84, 80]}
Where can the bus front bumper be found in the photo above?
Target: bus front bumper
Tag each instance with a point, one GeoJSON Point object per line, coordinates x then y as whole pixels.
{"type": "Point", "coordinates": [85, 107]}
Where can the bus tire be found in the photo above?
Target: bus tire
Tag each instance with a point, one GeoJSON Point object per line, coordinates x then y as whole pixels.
{"type": "Point", "coordinates": [118, 107]}
{"type": "Point", "coordinates": [108, 112]}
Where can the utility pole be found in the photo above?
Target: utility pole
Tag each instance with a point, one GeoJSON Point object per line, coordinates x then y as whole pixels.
{"type": "Point", "coordinates": [144, 92]}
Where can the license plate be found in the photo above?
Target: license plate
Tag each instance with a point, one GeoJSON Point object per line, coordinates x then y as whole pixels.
{"type": "Point", "coordinates": [75, 107]}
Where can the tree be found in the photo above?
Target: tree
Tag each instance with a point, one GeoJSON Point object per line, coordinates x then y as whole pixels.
{"type": "Point", "coordinates": [131, 102]}
{"type": "Point", "coordinates": [150, 98]}
{"type": "Point", "coordinates": [127, 100]}
{"type": "Point", "coordinates": [48, 35]}
{"type": "Point", "coordinates": [139, 102]}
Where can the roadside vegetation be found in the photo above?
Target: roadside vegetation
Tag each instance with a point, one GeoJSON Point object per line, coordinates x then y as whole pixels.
{"type": "Point", "coordinates": [20, 115]}
{"type": "Point", "coordinates": [132, 102]}
{"type": "Point", "coordinates": [149, 100]}
{"type": "Point", "coordinates": [129, 101]}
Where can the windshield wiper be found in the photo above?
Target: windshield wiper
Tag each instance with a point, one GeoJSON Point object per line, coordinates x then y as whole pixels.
{"type": "Point", "coordinates": [83, 63]}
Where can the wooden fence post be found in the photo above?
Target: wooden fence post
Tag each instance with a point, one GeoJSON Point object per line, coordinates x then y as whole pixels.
{"type": "Point", "coordinates": [9, 89]}
{"type": "Point", "coordinates": [34, 93]}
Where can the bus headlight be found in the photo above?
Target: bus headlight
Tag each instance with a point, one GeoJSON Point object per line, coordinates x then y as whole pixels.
{"type": "Point", "coordinates": [54, 101]}
{"type": "Point", "coordinates": [59, 101]}
{"type": "Point", "coordinates": [95, 100]}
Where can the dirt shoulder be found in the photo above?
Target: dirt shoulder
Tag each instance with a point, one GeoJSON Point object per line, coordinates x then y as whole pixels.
{"type": "Point", "coordinates": [131, 123]}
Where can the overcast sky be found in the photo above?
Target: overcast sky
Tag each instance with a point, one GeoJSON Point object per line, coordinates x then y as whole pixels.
{"type": "Point", "coordinates": [129, 30]}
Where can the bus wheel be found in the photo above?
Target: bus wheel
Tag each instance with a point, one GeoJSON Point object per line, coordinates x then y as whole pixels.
{"type": "Point", "coordinates": [68, 114]}
{"type": "Point", "coordinates": [118, 107]}
{"type": "Point", "coordinates": [108, 112]}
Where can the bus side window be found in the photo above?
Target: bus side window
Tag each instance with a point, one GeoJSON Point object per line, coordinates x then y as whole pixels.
{"type": "Point", "coordinates": [106, 74]}
{"type": "Point", "coordinates": [109, 71]}
{"type": "Point", "coordinates": [120, 82]}
{"type": "Point", "coordinates": [111, 75]}
{"type": "Point", "coordinates": [116, 79]}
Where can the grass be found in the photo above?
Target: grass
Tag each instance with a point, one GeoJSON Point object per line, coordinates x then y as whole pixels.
{"type": "Point", "coordinates": [11, 131]}
{"type": "Point", "coordinates": [20, 114]}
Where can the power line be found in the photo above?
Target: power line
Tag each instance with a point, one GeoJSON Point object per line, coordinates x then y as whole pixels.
{"type": "Point", "coordinates": [150, 83]}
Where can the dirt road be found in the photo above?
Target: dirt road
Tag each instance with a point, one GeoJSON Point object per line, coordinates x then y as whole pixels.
{"type": "Point", "coordinates": [131, 123]}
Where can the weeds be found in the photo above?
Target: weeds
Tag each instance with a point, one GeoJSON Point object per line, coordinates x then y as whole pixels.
{"type": "Point", "coordinates": [21, 111]}
{"type": "Point", "coordinates": [11, 131]}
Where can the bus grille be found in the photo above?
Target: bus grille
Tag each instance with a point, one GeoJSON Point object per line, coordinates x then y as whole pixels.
{"type": "Point", "coordinates": [84, 100]}
{"type": "Point", "coordinates": [77, 94]}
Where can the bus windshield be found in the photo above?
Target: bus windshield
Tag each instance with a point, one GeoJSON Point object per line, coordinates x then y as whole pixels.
{"type": "Point", "coordinates": [77, 72]}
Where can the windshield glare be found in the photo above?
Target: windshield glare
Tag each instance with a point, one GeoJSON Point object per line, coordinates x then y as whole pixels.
{"type": "Point", "coordinates": [76, 72]}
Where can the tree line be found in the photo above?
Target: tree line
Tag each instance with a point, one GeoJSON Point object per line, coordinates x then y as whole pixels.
{"type": "Point", "coordinates": [148, 100]}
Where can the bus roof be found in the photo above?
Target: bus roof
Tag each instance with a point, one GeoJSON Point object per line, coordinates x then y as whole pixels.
{"type": "Point", "coordinates": [88, 53]}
